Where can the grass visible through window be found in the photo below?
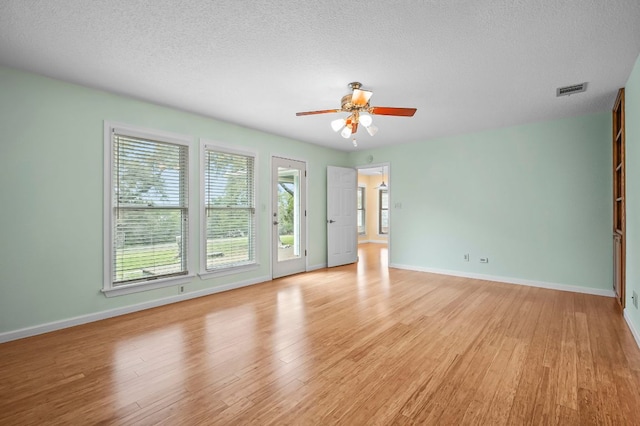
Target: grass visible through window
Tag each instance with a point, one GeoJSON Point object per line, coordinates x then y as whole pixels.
{"type": "Point", "coordinates": [286, 240]}
{"type": "Point", "coordinates": [141, 261]}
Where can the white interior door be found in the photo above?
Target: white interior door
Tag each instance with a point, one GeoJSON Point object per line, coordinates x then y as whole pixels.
{"type": "Point", "coordinates": [289, 217]}
{"type": "Point", "coordinates": [342, 231]}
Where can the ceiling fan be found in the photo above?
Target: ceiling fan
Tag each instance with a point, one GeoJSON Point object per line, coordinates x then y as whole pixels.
{"type": "Point", "coordinates": [357, 104]}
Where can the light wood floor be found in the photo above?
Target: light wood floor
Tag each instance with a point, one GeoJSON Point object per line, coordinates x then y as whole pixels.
{"type": "Point", "coordinates": [350, 345]}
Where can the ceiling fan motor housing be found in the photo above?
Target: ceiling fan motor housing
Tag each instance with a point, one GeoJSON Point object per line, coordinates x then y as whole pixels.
{"type": "Point", "coordinates": [348, 106]}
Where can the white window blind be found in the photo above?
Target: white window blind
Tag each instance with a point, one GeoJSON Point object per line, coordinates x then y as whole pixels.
{"type": "Point", "coordinates": [229, 202]}
{"type": "Point", "coordinates": [150, 209]}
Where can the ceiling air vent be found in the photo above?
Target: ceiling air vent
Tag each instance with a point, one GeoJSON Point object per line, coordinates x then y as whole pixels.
{"type": "Point", "coordinates": [570, 90]}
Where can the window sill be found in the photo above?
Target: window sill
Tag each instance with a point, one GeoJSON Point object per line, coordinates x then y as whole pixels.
{"type": "Point", "coordinates": [152, 285]}
{"type": "Point", "coordinates": [228, 271]}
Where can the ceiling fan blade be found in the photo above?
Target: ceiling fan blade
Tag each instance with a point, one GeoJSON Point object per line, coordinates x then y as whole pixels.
{"type": "Point", "coordinates": [360, 97]}
{"type": "Point", "coordinates": [401, 112]}
{"type": "Point", "coordinates": [324, 111]}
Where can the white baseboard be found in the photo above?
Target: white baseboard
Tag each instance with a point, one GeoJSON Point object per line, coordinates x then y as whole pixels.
{"type": "Point", "coordinates": [509, 280]}
{"type": "Point", "coordinates": [97, 316]}
{"type": "Point", "coordinates": [633, 329]}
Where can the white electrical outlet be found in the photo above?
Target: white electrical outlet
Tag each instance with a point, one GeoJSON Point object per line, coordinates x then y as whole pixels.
{"type": "Point", "coordinates": [466, 257]}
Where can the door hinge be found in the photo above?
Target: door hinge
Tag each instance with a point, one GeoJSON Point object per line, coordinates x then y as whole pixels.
{"type": "Point", "coordinates": [305, 213]}
{"type": "Point", "coordinates": [305, 173]}
{"type": "Point", "coordinates": [305, 252]}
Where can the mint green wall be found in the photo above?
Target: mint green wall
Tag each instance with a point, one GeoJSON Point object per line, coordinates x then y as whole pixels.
{"type": "Point", "coordinates": [632, 127]}
{"type": "Point", "coordinates": [534, 199]}
{"type": "Point", "coordinates": [51, 187]}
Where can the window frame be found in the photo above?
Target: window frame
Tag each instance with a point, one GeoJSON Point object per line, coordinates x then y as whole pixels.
{"type": "Point", "coordinates": [380, 210]}
{"type": "Point", "coordinates": [206, 144]}
{"type": "Point", "coordinates": [363, 190]}
{"type": "Point", "coordinates": [108, 288]}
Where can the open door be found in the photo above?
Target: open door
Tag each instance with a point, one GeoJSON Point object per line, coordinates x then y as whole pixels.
{"type": "Point", "coordinates": [619, 193]}
{"type": "Point", "coordinates": [342, 232]}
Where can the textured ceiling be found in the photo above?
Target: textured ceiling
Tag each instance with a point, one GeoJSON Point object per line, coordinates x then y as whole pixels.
{"type": "Point", "coordinates": [466, 65]}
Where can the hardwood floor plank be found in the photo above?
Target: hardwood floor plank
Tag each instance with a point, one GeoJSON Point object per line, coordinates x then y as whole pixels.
{"type": "Point", "coordinates": [482, 399]}
{"type": "Point", "coordinates": [585, 367]}
{"type": "Point", "coordinates": [504, 395]}
{"type": "Point", "coordinates": [568, 375]}
{"type": "Point", "coordinates": [461, 380]}
{"type": "Point", "coordinates": [529, 386]}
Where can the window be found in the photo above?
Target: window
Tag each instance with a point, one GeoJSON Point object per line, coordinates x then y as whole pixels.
{"type": "Point", "coordinates": [383, 211]}
{"type": "Point", "coordinates": [147, 203]}
{"type": "Point", "coordinates": [361, 204]}
{"type": "Point", "coordinates": [229, 209]}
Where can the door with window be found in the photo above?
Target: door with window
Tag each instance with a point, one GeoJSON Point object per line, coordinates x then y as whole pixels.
{"type": "Point", "coordinates": [289, 217]}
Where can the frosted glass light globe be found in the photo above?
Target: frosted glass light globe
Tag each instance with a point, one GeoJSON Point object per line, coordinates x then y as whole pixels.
{"type": "Point", "coordinates": [366, 120]}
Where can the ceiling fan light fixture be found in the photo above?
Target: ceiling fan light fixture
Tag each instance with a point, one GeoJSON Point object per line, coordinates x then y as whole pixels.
{"type": "Point", "coordinates": [338, 124]}
{"type": "Point", "coordinates": [365, 120]}
{"type": "Point", "coordinates": [346, 132]}
{"type": "Point", "coordinates": [371, 129]}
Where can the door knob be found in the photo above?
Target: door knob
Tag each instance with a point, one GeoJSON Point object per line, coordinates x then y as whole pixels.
{"type": "Point", "coordinates": [331, 221]}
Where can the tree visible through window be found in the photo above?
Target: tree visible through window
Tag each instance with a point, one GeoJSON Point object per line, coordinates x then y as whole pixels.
{"type": "Point", "coordinates": [383, 211]}
{"type": "Point", "coordinates": [229, 209]}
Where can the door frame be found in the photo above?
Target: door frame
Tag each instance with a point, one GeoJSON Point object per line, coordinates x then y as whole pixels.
{"type": "Point", "coordinates": [387, 165]}
{"type": "Point", "coordinates": [272, 255]}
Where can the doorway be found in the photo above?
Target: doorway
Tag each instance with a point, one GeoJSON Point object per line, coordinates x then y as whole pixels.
{"type": "Point", "coordinates": [374, 209]}
{"type": "Point", "coordinates": [288, 207]}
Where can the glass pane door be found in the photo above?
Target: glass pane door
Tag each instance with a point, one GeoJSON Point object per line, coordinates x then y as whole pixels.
{"type": "Point", "coordinates": [288, 213]}
{"type": "Point", "coordinates": [289, 218]}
